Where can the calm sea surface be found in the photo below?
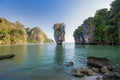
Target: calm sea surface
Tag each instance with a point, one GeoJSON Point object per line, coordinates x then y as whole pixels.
{"type": "Point", "coordinates": [48, 61]}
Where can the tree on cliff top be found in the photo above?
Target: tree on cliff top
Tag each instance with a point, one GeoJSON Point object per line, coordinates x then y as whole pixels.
{"type": "Point", "coordinates": [59, 26]}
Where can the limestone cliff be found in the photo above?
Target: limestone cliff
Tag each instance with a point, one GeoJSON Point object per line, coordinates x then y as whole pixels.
{"type": "Point", "coordinates": [15, 33]}
{"type": "Point", "coordinates": [36, 35]}
{"type": "Point", "coordinates": [59, 33]}
{"type": "Point", "coordinates": [12, 33]}
{"type": "Point", "coordinates": [103, 28]}
{"type": "Point", "coordinates": [85, 33]}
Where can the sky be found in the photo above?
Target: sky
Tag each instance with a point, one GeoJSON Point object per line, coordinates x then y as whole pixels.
{"type": "Point", "coordinates": [45, 13]}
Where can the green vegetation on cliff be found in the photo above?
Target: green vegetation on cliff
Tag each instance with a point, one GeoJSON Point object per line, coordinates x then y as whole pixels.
{"type": "Point", "coordinates": [106, 23]}
{"type": "Point", "coordinates": [15, 33]}
{"type": "Point", "coordinates": [11, 33]}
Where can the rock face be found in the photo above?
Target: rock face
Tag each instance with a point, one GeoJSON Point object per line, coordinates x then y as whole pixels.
{"type": "Point", "coordinates": [59, 33]}
{"type": "Point", "coordinates": [99, 62]}
{"type": "Point", "coordinates": [85, 33]}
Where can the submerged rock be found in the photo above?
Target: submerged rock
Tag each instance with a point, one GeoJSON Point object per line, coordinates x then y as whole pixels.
{"type": "Point", "coordinates": [70, 64]}
{"type": "Point", "coordinates": [7, 56]}
{"type": "Point", "coordinates": [99, 62]}
{"type": "Point", "coordinates": [113, 75]}
{"type": "Point", "coordinates": [59, 33]}
{"type": "Point", "coordinates": [98, 78]}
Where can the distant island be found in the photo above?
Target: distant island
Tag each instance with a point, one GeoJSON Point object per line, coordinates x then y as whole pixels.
{"type": "Point", "coordinates": [16, 33]}
{"type": "Point", "coordinates": [103, 28]}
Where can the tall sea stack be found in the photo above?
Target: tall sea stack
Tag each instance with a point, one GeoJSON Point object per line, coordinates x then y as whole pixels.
{"type": "Point", "coordinates": [59, 33]}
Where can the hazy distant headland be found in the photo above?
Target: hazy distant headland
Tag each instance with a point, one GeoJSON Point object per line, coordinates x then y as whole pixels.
{"type": "Point", "coordinates": [16, 33]}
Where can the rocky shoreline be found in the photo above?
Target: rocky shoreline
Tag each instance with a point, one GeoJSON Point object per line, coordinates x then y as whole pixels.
{"type": "Point", "coordinates": [99, 69]}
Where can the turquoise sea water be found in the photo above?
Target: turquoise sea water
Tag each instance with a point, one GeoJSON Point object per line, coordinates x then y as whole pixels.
{"type": "Point", "coordinates": [48, 61]}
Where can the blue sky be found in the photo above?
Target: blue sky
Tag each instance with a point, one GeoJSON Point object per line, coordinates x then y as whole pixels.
{"type": "Point", "coordinates": [45, 13]}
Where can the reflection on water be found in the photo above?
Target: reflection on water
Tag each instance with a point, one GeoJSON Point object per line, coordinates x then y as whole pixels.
{"type": "Point", "coordinates": [80, 55]}
{"type": "Point", "coordinates": [47, 61]}
{"type": "Point", "coordinates": [59, 54]}
{"type": "Point", "coordinates": [20, 53]}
